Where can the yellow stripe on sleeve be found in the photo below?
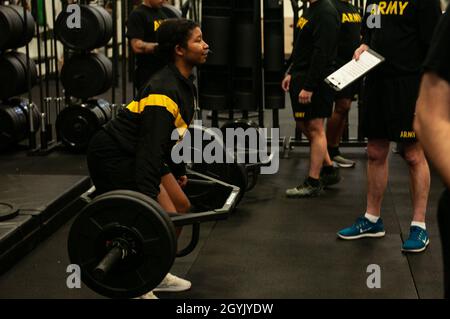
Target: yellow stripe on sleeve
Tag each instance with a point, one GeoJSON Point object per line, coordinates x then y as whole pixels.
{"type": "Point", "coordinates": [162, 101]}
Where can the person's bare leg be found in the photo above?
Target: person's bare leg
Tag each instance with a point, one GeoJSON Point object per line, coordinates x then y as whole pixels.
{"type": "Point", "coordinates": [167, 204]}
{"type": "Point", "coordinates": [315, 132]}
{"type": "Point", "coordinates": [419, 174]}
{"type": "Point", "coordinates": [377, 174]}
{"type": "Point", "coordinates": [176, 194]}
{"type": "Point", "coordinates": [327, 161]}
{"type": "Point", "coordinates": [164, 200]}
{"type": "Point", "coordinates": [336, 124]}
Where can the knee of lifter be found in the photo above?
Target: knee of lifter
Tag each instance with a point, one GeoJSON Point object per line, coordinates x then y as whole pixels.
{"type": "Point", "coordinates": [184, 207]}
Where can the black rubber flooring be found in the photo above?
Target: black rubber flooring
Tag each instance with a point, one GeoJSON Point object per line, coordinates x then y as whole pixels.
{"type": "Point", "coordinates": [274, 247]}
{"type": "Point", "coordinates": [271, 247]}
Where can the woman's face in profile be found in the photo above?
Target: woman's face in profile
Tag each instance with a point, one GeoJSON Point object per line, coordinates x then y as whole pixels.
{"type": "Point", "coordinates": [197, 49]}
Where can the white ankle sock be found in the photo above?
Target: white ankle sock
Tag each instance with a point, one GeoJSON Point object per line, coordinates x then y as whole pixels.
{"type": "Point", "coordinates": [371, 218]}
{"type": "Point", "coordinates": [419, 224]}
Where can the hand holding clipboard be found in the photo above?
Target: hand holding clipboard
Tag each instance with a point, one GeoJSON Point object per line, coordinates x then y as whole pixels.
{"type": "Point", "coordinates": [353, 70]}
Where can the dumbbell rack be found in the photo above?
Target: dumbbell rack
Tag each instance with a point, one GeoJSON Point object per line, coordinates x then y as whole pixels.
{"type": "Point", "coordinates": [21, 29]}
{"type": "Point", "coordinates": [47, 142]}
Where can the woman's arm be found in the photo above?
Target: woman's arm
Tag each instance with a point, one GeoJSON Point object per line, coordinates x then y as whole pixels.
{"type": "Point", "coordinates": [156, 129]}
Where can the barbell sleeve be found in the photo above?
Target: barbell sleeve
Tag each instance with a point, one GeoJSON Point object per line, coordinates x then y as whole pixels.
{"type": "Point", "coordinates": [108, 262]}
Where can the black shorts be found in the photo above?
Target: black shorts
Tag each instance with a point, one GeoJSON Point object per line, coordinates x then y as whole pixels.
{"type": "Point", "coordinates": [348, 93]}
{"type": "Point", "coordinates": [321, 105]}
{"type": "Point", "coordinates": [110, 167]}
{"type": "Point", "coordinates": [389, 105]}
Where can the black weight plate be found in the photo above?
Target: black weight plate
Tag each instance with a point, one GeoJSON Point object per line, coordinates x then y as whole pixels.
{"type": "Point", "coordinates": [14, 121]}
{"type": "Point", "coordinates": [102, 37]}
{"type": "Point", "coordinates": [240, 123]}
{"type": "Point", "coordinates": [106, 63]}
{"type": "Point", "coordinates": [104, 106]}
{"type": "Point", "coordinates": [22, 103]}
{"type": "Point", "coordinates": [7, 211]}
{"type": "Point", "coordinates": [26, 34]}
{"type": "Point", "coordinates": [17, 119]}
{"type": "Point", "coordinates": [243, 150]}
{"type": "Point", "coordinates": [22, 58]}
{"type": "Point", "coordinates": [231, 173]}
{"type": "Point", "coordinates": [10, 27]}
{"type": "Point", "coordinates": [13, 68]}
{"type": "Point", "coordinates": [155, 248]}
{"type": "Point", "coordinates": [8, 129]}
{"type": "Point", "coordinates": [107, 26]}
{"type": "Point", "coordinates": [84, 38]}
{"type": "Point", "coordinates": [76, 125]}
{"type": "Point", "coordinates": [99, 114]}
{"type": "Point", "coordinates": [84, 75]}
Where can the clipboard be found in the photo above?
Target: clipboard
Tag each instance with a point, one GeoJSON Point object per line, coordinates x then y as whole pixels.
{"type": "Point", "coordinates": [353, 70]}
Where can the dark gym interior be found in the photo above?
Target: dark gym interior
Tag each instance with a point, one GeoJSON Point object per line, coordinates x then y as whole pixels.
{"type": "Point", "coordinates": [268, 246]}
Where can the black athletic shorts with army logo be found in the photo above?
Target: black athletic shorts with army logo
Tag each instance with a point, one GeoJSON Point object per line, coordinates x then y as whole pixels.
{"type": "Point", "coordinates": [389, 105]}
{"type": "Point", "coordinates": [321, 105]}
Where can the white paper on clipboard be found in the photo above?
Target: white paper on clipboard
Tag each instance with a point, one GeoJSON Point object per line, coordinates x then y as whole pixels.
{"type": "Point", "coordinates": [353, 70]}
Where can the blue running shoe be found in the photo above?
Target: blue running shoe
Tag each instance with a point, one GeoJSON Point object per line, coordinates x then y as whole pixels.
{"type": "Point", "coordinates": [417, 241]}
{"type": "Point", "coordinates": [363, 228]}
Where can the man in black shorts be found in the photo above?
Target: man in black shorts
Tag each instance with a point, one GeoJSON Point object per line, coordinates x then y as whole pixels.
{"type": "Point", "coordinates": [349, 39]}
{"type": "Point", "coordinates": [433, 125]}
{"type": "Point", "coordinates": [403, 38]}
{"type": "Point", "coordinates": [312, 99]}
{"type": "Point", "coordinates": [142, 25]}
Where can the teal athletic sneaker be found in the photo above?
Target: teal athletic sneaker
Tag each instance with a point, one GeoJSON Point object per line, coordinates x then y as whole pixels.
{"type": "Point", "coordinates": [363, 228]}
{"type": "Point", "coordinates": [417, 241]}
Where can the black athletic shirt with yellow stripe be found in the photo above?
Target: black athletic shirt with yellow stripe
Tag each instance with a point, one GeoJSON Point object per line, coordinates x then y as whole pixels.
{"type": "Point", "coordinates": [404, 33]}
{"type": "Point", "coordinates": [144, 128]}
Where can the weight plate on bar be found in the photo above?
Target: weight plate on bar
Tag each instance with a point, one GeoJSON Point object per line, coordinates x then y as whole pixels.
{"type": "Point", "coordinates": [135, 218]}
{"type": "Point", "coordinates": [231, 173]}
